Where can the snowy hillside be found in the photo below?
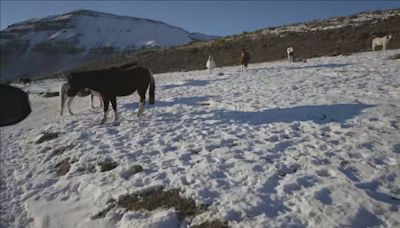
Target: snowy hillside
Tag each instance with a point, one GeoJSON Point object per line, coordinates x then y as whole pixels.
{"type": "Point", "coordinates": [83, 34]}
{"type": "Point", "coordinates": [311, 144]}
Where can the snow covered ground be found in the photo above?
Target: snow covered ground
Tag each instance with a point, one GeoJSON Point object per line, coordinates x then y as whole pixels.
{"type": "Point", "coordinates": [311, 144]}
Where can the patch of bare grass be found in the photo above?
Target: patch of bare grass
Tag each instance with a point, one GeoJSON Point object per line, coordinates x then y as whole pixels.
{"type": "Point", "coordinates": [107, 165]}
{"type": "Point", "coordinates": [159, 198]}
{"type": "Point", "coordinates": [63, 167]}
{"type": "Point", "coordinates": [212, 224]}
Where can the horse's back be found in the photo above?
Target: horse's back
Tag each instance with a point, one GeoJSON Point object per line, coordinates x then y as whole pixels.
{"type": "Point", "coordinates": [114, 81]}
{"type": "Point", "coordinates": [125, 82]}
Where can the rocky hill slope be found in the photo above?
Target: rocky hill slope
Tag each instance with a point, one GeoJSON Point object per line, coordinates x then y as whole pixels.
{"type": "Point", "coordinates": [334, 36]}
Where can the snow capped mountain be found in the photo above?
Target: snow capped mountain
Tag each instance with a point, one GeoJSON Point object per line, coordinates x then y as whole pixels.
{"type": "Point", "coordinates": [40, 46]}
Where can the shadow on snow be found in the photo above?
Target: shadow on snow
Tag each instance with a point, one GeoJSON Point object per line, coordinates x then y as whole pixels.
{"type": "Point", "coordinates": [192, 82]}
{"type": "Point", "coordinates": [317, 113]}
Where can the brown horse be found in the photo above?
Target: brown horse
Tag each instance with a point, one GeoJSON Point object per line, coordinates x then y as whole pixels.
{"type": "Point", "coordinates": [112, 83]}
{"type": "Point", "coordinates": [244, 58]}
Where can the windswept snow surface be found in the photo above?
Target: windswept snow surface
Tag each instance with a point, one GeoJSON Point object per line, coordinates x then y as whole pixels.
{"type": "Point", "coordinates": [279, 144]}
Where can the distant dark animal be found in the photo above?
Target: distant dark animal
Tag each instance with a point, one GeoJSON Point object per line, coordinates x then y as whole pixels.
{"type": "Point", "coordinates": [25, 81]}
{"type": "Point", "coordinates": [111, 83]}
{"type": "Point", "coordinates": [244, 58]}
{"type": "Point", "coordinates": [81, 93]}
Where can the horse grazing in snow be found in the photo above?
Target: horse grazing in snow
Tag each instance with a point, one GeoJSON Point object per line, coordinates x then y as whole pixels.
{"type": "Point", "coordinates": [81, 93]}
{"type": "Point", "coordinates": [381, 41]}
{"type": "Point", "coordinates": [114, 82]}
{"type": "Point", "coordinates": [290, 54]}
{"type": "Point", "coordinates": [210, 64]}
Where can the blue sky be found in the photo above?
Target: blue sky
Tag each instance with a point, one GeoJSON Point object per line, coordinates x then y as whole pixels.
{"type": "Point", "coordinates": [210, 17]}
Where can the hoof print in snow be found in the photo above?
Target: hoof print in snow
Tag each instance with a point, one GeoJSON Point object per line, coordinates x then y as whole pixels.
{"type": "Point", "coordinates": [284, 170]}
{"type": "Point", "coordinates": [107, 165]}
{"type": "Point", "coordinates": [46, 136]}
{"type": "Point", "coordinates": [158, 198]}
{"type": "Point", "coordinates": [132, 170]}
{"type": "Point", "coordinates": [63, 167]}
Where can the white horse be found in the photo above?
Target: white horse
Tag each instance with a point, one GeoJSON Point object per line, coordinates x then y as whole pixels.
{"type": "Point", "coordinates": [381, 41]}
{"type": "Point", "coordinates": [82, 93]}
{"type": "Point", "coordinates": [210, 64]}
{"type": "Point", "coordinates": [290, 54]}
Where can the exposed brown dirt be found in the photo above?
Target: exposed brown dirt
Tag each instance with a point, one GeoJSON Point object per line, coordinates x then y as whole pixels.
{"type": "Point", "coordinates": [161, 199]}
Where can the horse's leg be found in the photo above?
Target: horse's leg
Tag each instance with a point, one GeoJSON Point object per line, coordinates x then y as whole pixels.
{"type": "Point", "coordinates": [105, 108]}
{"type": "Point", "coordinates": [98, 95]}
{"type": "Point", "coordinates": [113, 101]}
{"type": "Point", "coordinates": [142, 95]}
{"type": "Point", "coordinates": [91, 101]}
{"type": "Point", "coordinates": [101, 101]}
{"type": "Point", "coordinates": [69, 102]}
{"type": "Point", "coordinates": [62, 102]}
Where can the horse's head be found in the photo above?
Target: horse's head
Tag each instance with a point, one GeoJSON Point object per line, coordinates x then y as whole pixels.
{"type": "Point", "coordinates": [389, 36]}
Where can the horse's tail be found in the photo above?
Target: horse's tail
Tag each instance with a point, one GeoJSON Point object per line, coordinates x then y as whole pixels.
{"type": "Point", "coordinates": [152, 88]}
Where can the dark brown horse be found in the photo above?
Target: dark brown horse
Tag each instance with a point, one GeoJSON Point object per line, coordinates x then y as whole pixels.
{"type": "Point", "coordinates": [244, 58]}
{"type": "Point", "coordinates": [114, 82]}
